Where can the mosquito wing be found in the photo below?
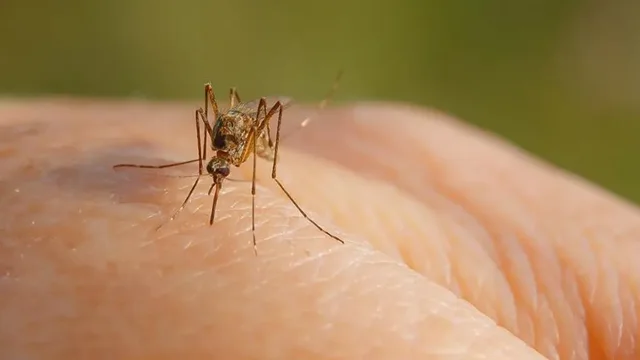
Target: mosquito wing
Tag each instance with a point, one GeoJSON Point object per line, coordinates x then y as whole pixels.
{"type": "Point", "coordinates": [251, 108]}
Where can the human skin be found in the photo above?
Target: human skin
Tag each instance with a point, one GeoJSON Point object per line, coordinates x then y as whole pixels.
{"type": "Point", "coordinates": [458, 245]}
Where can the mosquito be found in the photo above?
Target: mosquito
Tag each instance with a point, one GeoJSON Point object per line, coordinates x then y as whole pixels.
{"type": "Point", "coordinates": [241, 131]}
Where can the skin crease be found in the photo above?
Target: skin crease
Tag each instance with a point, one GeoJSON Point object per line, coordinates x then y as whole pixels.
{"type": "Point", "coordinates": [459, 246]}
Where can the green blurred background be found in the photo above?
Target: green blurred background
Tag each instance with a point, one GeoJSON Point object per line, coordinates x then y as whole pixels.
{"type": "Point", "coordinates": [559, 78]}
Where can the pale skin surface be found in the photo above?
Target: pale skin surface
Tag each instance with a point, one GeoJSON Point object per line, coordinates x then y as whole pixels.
{"type": "Point", "coordinates": [448, 231]}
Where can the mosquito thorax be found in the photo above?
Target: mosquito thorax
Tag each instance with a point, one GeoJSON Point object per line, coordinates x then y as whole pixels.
{"type": "Point", "coordinates": [222, 135]}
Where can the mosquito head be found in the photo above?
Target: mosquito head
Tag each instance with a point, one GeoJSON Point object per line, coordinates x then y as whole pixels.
{"type": "Point", "coordinates": [218, 168]}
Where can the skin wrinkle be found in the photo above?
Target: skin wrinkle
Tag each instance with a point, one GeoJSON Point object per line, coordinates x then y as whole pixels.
{"type": "Point", "coordinates": [613, 274]}
{"type": "Point", "coordinates": [569, 293]}
{"type": "Point", "coordinates": [436, 139]}
{"type": "Point", "coordinates": [533, 311]}
{"type": "Point", "coordinates": [516, 192]}
{"type": "Point", "coordinates": [515, 264]}
{"type": "Point", "coordinates": [545, 277]}
{"type": "Point", "coordinates": [411, 250]}
{"type": "Point", "coordinates": [607, 282]}
{"type": "Point", "coordinates": [572, 326]}
{"type": "Point", "coordinates": [466, 274]}
{"type": "Point", "coordinates": [441, 270]}
{"type": "Point", "coordinates": [486, 298]}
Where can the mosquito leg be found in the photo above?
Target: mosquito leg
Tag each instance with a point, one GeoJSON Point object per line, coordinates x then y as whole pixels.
{"type": "Point", "coordinates": [155, 166]}
{"type": "Point", "coordinates": [267, 121]}
{"type": "Point", "coordinates": [209, 99]}
{"type": "Point", "coordinates": [261, 124]}
{"type": "Point", "coordinates": [253, 192]}
{"type": "Point", "coordinates": [207, 130]}
{"type": "Point", "coordinates": [269, 142]}
{"type": "Point", "coordinates": [184, 203]}
{"type": "Point", "coordinates": [200, 149]}
{"type": "Point", "coordinates": [234, 97]}
{"type": "Point", "coordinates": [275, 178]}
{"type": "Point", "coordinates": [267, 118]}
{"type": "Point", "coordinates": [262, 105]}
{"type": "Point", "coordinates": [264, 127]}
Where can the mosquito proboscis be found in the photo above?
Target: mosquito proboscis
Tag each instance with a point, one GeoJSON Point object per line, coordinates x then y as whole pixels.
{"type": "Point", "coordinates": [240, 131]}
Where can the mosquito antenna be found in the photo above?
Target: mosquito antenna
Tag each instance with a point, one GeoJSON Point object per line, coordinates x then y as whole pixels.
{"type": "Point", "coordinates": [328, 97]}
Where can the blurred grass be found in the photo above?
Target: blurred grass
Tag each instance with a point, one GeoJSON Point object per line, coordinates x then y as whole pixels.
{"type": "Point", "coordinates": [560, 78]}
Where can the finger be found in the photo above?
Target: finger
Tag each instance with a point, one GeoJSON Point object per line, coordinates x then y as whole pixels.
{"type": "Point", "coordinates": [566, 248]}
{"type": "Point", "coordinates": [85, 276]}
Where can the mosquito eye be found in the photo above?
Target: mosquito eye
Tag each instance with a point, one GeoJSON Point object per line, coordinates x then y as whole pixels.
{"type": "Point", "coordinates": [224, 171]}
{"type": "Point", "coordinates": [219, 141]}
